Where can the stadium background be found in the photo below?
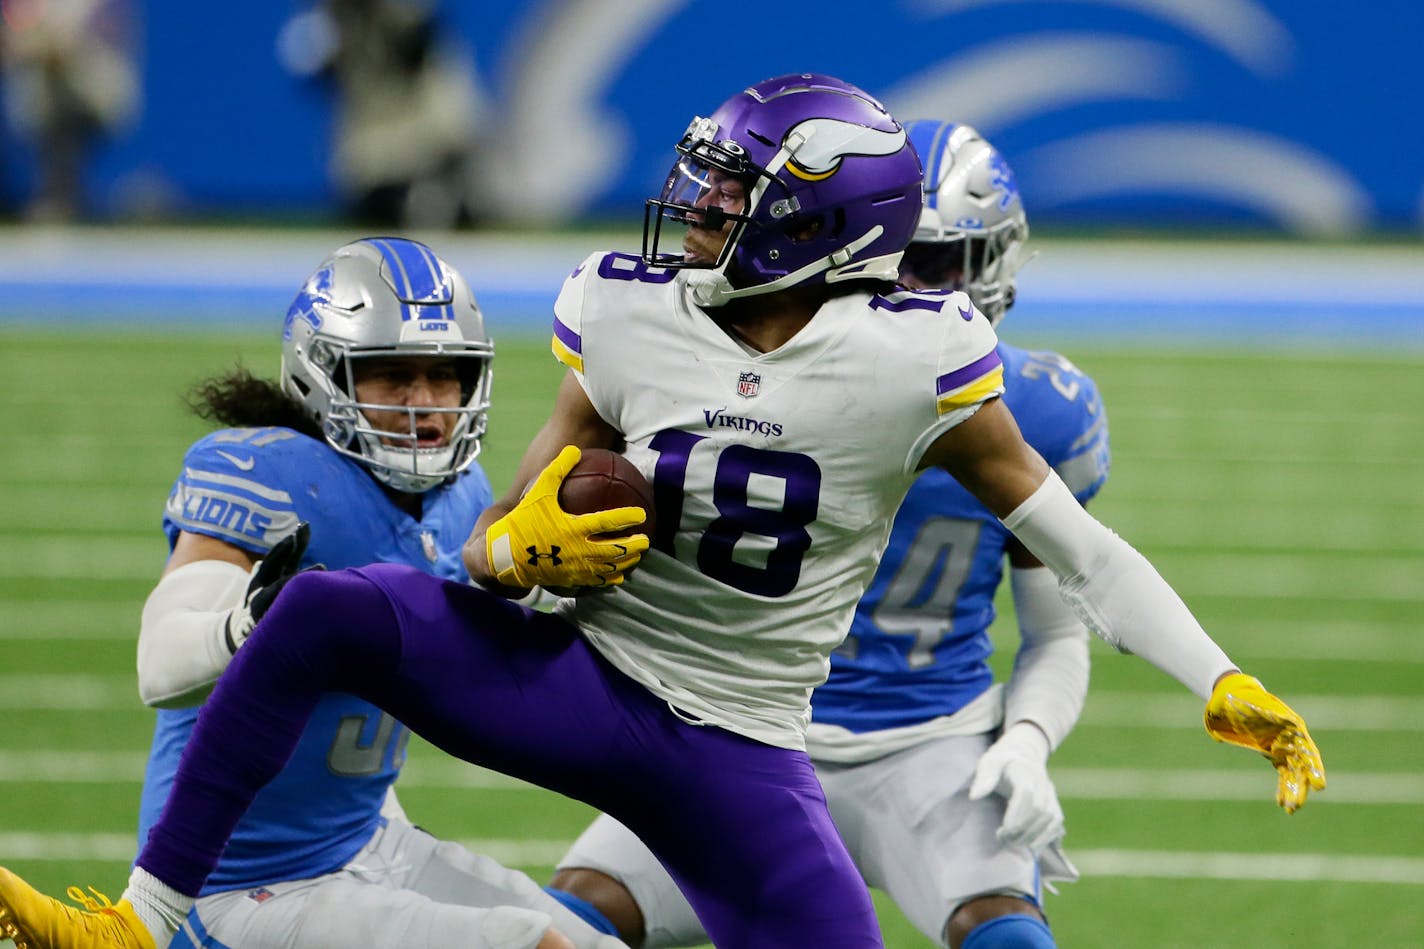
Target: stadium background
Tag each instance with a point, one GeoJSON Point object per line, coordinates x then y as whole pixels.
{"type": "Point", "coordinates": [1227, 198]}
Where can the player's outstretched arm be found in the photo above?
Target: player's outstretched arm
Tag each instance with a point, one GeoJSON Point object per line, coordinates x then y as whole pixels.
{"type": "Point", "coordinates": [526, 539]}
{"type": "Point", "coordinates": [1110, 585]}
{"type": "Point", "coordinates": [205, 606]}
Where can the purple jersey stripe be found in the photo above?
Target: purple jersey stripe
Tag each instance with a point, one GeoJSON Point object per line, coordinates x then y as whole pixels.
{"type": "Point", "coordinates": [568, 337]}
{"type": "Point", "coordinates": [962, 377]}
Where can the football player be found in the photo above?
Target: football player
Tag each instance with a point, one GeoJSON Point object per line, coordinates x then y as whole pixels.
{"type": "Point", "coordinates": [364, 451]}
{"type": "Point", "coordinates": [936, 776]}
{"type": "Point", "coordinates": [781, 394]}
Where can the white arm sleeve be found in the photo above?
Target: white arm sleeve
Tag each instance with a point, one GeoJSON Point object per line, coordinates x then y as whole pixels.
{"type": "Point", "coordinates": [1114, 590]}
{"type": "Point", "coordinates": [182, 638]}
{"type": "Point", "coordinates": [1050, 677]}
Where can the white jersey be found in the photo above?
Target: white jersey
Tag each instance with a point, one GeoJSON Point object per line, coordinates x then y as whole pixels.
{"type": "Point", "coordinates": [776, 476]}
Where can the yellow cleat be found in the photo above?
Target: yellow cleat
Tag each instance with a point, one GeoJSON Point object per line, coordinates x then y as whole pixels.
{"type": "Point", "coordinates": [35, 921]}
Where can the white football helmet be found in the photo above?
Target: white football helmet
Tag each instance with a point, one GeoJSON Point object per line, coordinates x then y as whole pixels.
{"type": "Point", "coordinates": [383, 297]}
{"type": "Point", "coordinates": [972, 228]}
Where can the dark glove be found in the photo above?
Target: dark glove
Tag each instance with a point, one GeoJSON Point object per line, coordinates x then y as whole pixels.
{"type": "Point", "coordinates": [269, 575]}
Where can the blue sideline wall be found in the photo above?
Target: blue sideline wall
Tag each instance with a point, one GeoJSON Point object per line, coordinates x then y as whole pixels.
{"type": "Point", "coordinates": [1277, 295]}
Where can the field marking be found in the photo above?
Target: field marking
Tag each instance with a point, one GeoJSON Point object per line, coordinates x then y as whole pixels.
{"type": "Point", "coordinates": [1372, 713]}
{"type": "Point", "coordinates": [1074, 783]}
{"type": "Point", "coordinates": [1260, 867]}
{"type": "Point", "coordinates": [1256, 784]}
{"type": "Point", "coordinates": [1293, 868]}
{"type": "Point", "coordinates": [69, 693]}
{"type": "Point", "coordinates": [1310, 640]}
{"type": "Point", "coordinates": [1198, 567]}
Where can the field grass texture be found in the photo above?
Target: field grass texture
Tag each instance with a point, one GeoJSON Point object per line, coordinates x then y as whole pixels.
{"type": "Point", "coordinates": [1280, 494]}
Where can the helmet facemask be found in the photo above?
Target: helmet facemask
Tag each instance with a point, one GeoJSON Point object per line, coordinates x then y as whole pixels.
{"type": "Point", "coordinates": [983, 265]}
{"type": "Point", "coordinates": [395, 457]}
{"type": "Point", "coordinates": [689, 198]}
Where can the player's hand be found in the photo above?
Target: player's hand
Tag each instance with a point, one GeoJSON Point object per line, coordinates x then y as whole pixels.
{"type": "Point", "coordinates": [268, 577]}
{"type": "Point", "coordinates": [1016, 767]}
{"type": "Point", "coordinates": [1241, 712]}
{"type": "Point", "coordinates": [538, 543]}
{"type": "Point", "coordinates": [1055, 867]}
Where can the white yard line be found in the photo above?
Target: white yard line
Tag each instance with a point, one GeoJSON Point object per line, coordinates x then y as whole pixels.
{"type": "Point", "coordinates": [1379, 713]}
{"type": "Point", "coordinates": [1295, 868]}
{"type": "Point", "coordinates": [1355, 642]}
{"type": "Point", "coordinates": [1255, 784]}
{"type": "Point", "coordinates": [1073, 783]}
{"type": "Point", "coordinates": [1280, 867]}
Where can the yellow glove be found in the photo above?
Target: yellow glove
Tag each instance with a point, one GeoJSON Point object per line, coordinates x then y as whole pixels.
{"type": "Point", "coordinates": [1241, 712]}
{"type": "Point", "coordinates": [540, 544]}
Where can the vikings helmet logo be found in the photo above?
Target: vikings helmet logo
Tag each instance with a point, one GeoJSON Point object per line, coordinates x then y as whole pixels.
{"type": "Point", "coordinates": [827, 141]}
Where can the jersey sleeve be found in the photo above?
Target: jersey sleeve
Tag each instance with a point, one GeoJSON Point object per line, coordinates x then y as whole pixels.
{"type": "Point", "coordinates": [1078, 446]}
{"type": "Point", "coordinates": [596, 319]}
{"type": "Point", "coordinates": [233, 488]}
{"type": "Point", "coordinates": [1085, 468]}
{"type": "Point", "coordinates": [567, 341]}
{"type": "Point", "coordinates": [968, 370]}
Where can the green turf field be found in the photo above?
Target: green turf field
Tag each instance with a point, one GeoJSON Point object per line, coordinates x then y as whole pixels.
{"type": "Point", "coordinates": [1280, 495]}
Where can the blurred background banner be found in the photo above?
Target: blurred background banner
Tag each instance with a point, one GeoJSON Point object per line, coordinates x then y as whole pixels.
{"type": "Point", "coordinates": [1278, 116]}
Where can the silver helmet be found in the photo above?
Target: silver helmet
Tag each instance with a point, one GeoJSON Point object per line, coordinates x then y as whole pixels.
{"type": "Point", "coordinates": [972, 227]}
{"type": "Point", "coordinates": [384, 297]}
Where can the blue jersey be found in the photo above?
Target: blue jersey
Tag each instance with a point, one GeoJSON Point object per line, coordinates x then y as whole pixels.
{"type": "Point", "coordinates": [249, 487]}
{"type": "Point", "coordinates": [919, 645]}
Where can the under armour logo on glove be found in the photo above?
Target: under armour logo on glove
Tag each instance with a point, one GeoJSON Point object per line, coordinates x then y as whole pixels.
{"type": "Point", "coordinates": [534, 556]}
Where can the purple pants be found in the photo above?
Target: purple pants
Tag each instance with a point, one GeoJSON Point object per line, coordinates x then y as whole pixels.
{"type": "Point", "coordinates": [742, 826]}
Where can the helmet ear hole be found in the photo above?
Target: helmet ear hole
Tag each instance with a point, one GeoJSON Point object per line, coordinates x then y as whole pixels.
{"type": "Point", "coordinates": [805, 229]}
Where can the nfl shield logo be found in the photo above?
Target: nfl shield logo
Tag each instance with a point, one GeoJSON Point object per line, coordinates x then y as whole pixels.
{"type": "Point", "coordinates": [747, 384]}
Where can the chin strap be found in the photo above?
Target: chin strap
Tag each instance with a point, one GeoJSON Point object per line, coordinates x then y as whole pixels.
{"type": "Point", "coordinates": [713, 288]}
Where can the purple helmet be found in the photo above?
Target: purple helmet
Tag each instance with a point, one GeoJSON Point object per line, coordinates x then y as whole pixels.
{"type": "Point", "coordinates": [828, 189]}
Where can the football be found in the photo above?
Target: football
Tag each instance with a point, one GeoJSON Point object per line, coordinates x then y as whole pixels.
{"type": "Point", "coordinates": [605, 479]}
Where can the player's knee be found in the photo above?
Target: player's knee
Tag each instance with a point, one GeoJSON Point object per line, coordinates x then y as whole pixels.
{"type": "Point", "coordinates": [604, 895]}
{"type": "Point", "coordinates": [323, 619]}
{"type": "Point", "coordinates": [999, 922]}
